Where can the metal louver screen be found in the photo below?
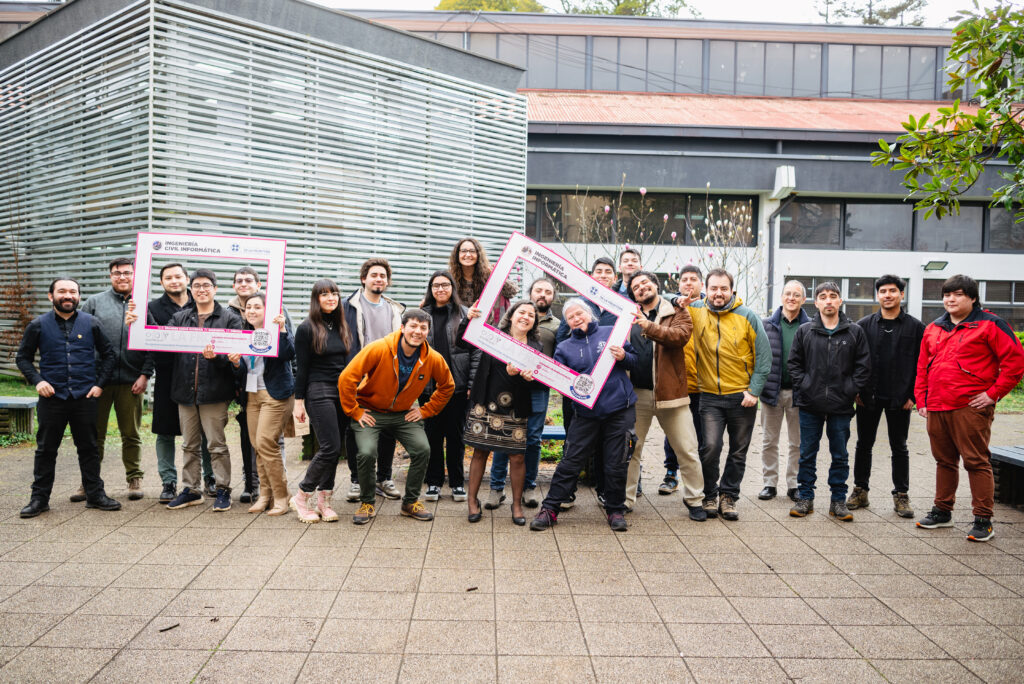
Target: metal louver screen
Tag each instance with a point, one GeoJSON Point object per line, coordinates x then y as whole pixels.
{"type": "Point", "coordinates": [178, 119]}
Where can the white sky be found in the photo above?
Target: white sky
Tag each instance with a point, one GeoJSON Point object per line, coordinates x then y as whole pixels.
{"type": "Point", "coordinates": [796, 11]}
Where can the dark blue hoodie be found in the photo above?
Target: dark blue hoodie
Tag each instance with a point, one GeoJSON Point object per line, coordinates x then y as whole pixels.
{"type": "Point", "coordinates": [580, 352]}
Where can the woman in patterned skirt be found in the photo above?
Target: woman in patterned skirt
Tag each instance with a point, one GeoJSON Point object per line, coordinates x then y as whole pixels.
{"type": "Point", "coordinates": [499, 404]}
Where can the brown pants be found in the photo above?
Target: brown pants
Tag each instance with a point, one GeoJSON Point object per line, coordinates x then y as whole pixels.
{"type": "Point", "coordinates": [266, 418]}
{"type": "Point", "coordinates": [962, 433]}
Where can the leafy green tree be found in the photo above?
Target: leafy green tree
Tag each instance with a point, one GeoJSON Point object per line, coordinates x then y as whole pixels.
{"type": "Point", "coordinates": [633, 8]}
{"type": "Point", "coordinates": [491, 5]}
{"type": "Point", "coordinates": [881, 13]}
{"type": "Point", "coordinates": [943, 159]}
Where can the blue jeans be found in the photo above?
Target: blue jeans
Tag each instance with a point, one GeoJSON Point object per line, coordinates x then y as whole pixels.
{"type": "Point", "coordinates": [499, 463]}
{"type": "Point", "coordinates": [837, 428]}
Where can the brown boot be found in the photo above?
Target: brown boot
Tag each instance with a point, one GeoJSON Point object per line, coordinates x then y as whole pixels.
{"type": "Point", "coordinates": [261, 504]}
{"type": "Point", "coordinates": [859, 499]}
{"type": "Point", "coordinates": [901, 504]}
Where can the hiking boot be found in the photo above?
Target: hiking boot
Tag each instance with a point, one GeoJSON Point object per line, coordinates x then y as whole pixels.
{"type": "Point", "coordinates": [458, 494]}
{"type": "Point", "coordinates": [79, 496]}
{"type": "Point", "coordinates": [670, 483]}
{"type": "Point", "coordinates": [697, 513]}
{"type": "Point", "coordinates": [494, 499]}
{"type": "Point", "coordinates": [135, 489]}
{"type": "Point", "coordinates": [544, 520]}
{"type": "Point", "coordinates": [416, 511]}
{"type": "Point", "coordinates": [188, 497]}
{"type": "Point", "coordinates": [859, 499]}
{"type": "Point", "coordinates": [982, 530]}
{"type": "Point", "coordinates": [531, 498]}
{"type": "Point", "coordinates": [305, 509]}
{"type": "Point", "coordinates": [168, 493]}
{"type": "Point", "coordinates": [433, 493]}
{"type": "Point", "coordinates": [727, 507]}
{"type": "Point", "coordinates": [364, 515]}
{"type": "Point", "coordinates": [104, 503]}
{"type": "Point", "coordinates": [223, 501]}
{"type": "Point", "coordinates": [936, 518]}
{"type": "Point", "coordinates": [323, 506]}
{"type": "Point", "coordinates": [802, 507]}
{"type": "Point", "coordinates": [388, 490]}
{"type": "Point", "coordinates": [617, 522]}
{"type": "Point", "coordinates": [839, 511]}
{"type": "Point", "coordinates": [711, 507]}
{"type": "Point", "coordinates": [353, 493]}
{"type": "Point", "coordinates": [571, 501]}
{"type": "Point", "coordinates": [901, 504]}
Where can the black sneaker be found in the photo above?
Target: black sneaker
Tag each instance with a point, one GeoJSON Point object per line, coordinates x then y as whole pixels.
{"type": "Point", "coordinates": [168, 493]}
{"type": "Point", "coordinates": [223, 500]}
{"type": "Point", "coordinates": [982, 530]}
{"type": "Point", "coordinates": [617, 522]}
{"type": "Point", "coordinates": [545, 519]}
{"type": "Point", "coordinates": [697, 513]}
{"type": "Point", "coordinates": [936, 518]}
{"type": "Point", "coordinates": [433, 493]}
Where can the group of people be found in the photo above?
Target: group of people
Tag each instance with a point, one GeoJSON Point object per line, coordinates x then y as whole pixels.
{"type": "Point", "coordinates": [367, 372]}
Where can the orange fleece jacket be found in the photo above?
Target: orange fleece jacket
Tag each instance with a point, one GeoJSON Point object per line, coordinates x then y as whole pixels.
{"type": "Point", "coordinates": [370, 381]}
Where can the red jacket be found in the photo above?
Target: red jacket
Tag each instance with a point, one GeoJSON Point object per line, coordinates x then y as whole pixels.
{"type": "Point", "coordinates": [980, 354]}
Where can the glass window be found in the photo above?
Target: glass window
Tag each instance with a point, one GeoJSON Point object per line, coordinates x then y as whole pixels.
{"type": "Point", "coordinates": [1004, 234]}
{"type": "Point", "coordinates": [661, 56]}
{"type": "Point", "coordinates": [572, 62]}
{"type": "Point", "coordinates": [512, 49]}
{"type": "Point", "coordinates": [878, 226]}
{"type": "Point", "coordinates": [810, 224]}
{"type": "Point", "coordinates": [807, 70]}
{"type": "Point", "coordinates": [861, 288]}
{"type": "Point", "coordinates": [605, 63]}
{"type": "Point", "coordinates": [858, 310]}
{"type": "Point", "coordinates": [922, 73]}
{"type": "Point", "coordinates": [998, 291]}
{"type": "Point", "coordinates": [1014, 315]}
{"type": "Point", "coordinates": [531, 216]}
{"type": "Point", "coordinates": [722, 74]}
{"type": "Point", "coordinates": [778, 72]}
{"type": "Point", "coordinates": [895, 71]}
{"type": "Point", "coordinates": [930, 314]}
{"type": "Point", "coordinates": [951, 234]}
{"type": "Point", "coordinates": [749, 68]}
{"type": "Point", "coordinates": [731, 218]}
{"type": "Point", "coordinates": [633, 64]}
{"type": "Point", "coordinates": [689, 66]}
{"type": "Point", "coordinates": [485, 44]}
{"type": "Point", "coordinates": [1018, 292]}
{"type": "Point", "coordinates": [840, 71]}
{"type": "Point", "coordinates": [931, 289]}
{"type": "Point", "coordinates": [867, 70]}
{"type": "Point", "coordinates": [541, 73]}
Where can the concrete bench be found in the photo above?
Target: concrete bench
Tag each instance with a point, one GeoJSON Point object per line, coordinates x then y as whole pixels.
{"type": "Point", "coordinates": [1008, 471]}
{"type": "Point", "coordinates": [16, 414]}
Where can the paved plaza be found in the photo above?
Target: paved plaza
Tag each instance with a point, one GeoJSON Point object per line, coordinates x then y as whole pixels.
{"type": "Point", "coordinates": [147, 594]}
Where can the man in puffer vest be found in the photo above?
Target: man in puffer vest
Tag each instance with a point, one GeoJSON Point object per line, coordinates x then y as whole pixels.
{"type": "Point", "coordinates": [75, 361]}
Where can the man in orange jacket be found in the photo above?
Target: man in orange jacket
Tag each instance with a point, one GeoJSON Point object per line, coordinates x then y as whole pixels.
{"type": "Point", "coordinates": [378, 389]}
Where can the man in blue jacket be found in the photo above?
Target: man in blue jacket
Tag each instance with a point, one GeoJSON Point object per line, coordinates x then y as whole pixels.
{"type": "Point", "coordinates": [75, 361]}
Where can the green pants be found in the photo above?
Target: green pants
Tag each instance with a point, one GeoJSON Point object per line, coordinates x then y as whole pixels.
{"type": "Point", "coordinates": [412, 436]}
{"type": "Point", "coordinates": [128, 411]}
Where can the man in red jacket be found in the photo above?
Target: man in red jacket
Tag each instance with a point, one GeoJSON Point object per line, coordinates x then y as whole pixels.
{"type": "Point", "coordinates": [970, 359]}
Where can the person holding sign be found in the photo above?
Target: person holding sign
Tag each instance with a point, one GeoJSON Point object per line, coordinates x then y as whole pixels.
{"type": "Point", "coordinates": [605, 427]}
{"type": "Point", "coordinates": [499, 401]}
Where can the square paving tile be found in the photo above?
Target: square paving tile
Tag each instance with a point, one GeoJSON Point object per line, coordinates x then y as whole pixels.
{"type": "Point", "coordinates": [962, 641]}
{"type": "Point", "coordinates": [430, 669]}
{"type": "Point", "coordinates": [891, 642]}
{"type": "Point", "coordinates": [210, 602]}
{"type": "Point", "coordinates": [451, 606]}
{"type": "Point", "coordinates": [996, 671]}
{"type": "Point", "coordinates": [605, 583]}
{"type": "Point", "coordinates": [377, 668]}
{"type": "Point", "coordinates": [49, 600]}
{"type": "Point", "coordinates": [776, 611]}
{"type": "Point", "coordinates": [717, 641]}
{"type": "Point", "coordinates": [382, 579]}
{"type": "Point", "coordinates": [553, 669]}
{"type": "Point", "coordinates": [36, 664]}
{"type": "Point", "coordinates": [362, 636]}
{"type": "Point", "coordinates": [696, 609]}
{"type": "Point", "coordinates": [373, 605]}
{"type": "Point", "coordinates": [23, 573]}
{"type": "Point", "coordinates": [862, 611]}
{"type": "Point", "coordinates": [753, 585]}
{"type": "Point", "coordinates": [136, 665]}
{"type": "Point", "coordinates": [291, 603]}
{"type": "Point", "coordinates": [288, 634]}
{"type": "Point", "coordinates": [451, 638]}
{"type": "Point", "coordinates": [225, 665]}
{"type": "Point", "coordinates": [641, 669]}
{"type": "Point", "coordinates": [925, 671]}
{"type": "Point", "coordinates": [325, 578]}
{"type": "Point", "coordinates": [617, 638]}
{"type": "Point", "coordinates": [824, 586]}
{"type": "Point", "coordinates": [455, 580]}
{"type": "Point", "coordinates": [74, 574]}
{"type": "Point", "coordinates": [599, 608]}
{"type": "Point", "coordinates": [21, 629]}
{"type": "Point", "coordinates": [811, 641]}
{"type": "Point", "coordinates": [678, 583]}
{"type": "Point", "coordinates": [933, 611]}
{"type": "Point", "coordinates": [128, 601]}
{"type": "Point", "coordinates": [233, 577]}
{"type": "Point", "coordinates": [837, 671]}
{"type": "Point", "coordinates": [552, 608]}
{"type": "Point", "coordinates": [157, 576]}
{"type": "Point", "coordinates": [93, 631]}
{"type": "Point", "coordinates": [728, 670]}
{"type": "Point", "coordinates": [540, 638]}
{"type": "Point", "coordinates": [537, 582]}
{"type": "Point", "coordinates": [183, 633]}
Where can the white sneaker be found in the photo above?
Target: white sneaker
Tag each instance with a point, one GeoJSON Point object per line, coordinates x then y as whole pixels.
{"type": "Point", "coordinates": [353, 492]}
{"type": "Point", "coordinates": [388, 489]}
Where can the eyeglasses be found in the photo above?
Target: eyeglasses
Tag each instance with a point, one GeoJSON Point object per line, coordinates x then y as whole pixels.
{"type": "Point", "coordinates": [441, 286]}
{"type": "Point", "coordinates": [121, 274]}
{"type": "Point", "coordinates": [467, 251]}
{"type": "Point", "coordinates": [202, 286]}
{"type": "Point", "coordinates": [245, 281]}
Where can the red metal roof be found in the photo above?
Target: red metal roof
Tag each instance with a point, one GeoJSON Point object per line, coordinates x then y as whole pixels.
{"type": "Point", "coordinates": [723, 111]}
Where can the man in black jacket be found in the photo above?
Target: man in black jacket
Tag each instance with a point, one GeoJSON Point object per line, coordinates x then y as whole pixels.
{"type": "Point", "coordinates": [75, 361]}
{"type": "Point", "coordinates": [895, 341]}
{"type": "Point", "coordinates": [830, 364]}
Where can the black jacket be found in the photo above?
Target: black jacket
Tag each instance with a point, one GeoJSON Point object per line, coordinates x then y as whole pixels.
{"type": "Point", "coordinates": [772, 328]}
{"type": "Point", "coordinates": [901, 370]}
{"type": "Point", "coordinates": [197, 380]}
{"type": "Point", "coordinates": [828, 371]}
{"type": "Point", "coordinates": [464, 359]}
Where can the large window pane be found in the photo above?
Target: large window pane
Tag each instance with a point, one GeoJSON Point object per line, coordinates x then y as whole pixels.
{"type": "Point", "coordinates": [867, 70]}
{"type": "Point", "coordinates": [722, 74]}
{"type": "Point", "coordinates": [952, 234]}
{"type": "Point", "coordinates": [530, 227]}
{"type": "Point", "coordinates": [810, 224]}
{"type": "Point", "coordinates": [572, 62]}
{"type": "Point", "coordinates": [541, 72]}
{"type": "Point", "coordinates": [633, 64]}
{"type": "Point", "coordinates": [512, 49]}
{"type": "Point", "coordinates": [661, 55]}
{"type": "Point", "coordinates": [998, 291]}
{"type": "Point", "coordinates": [1003, 233]}
{"type": "Point", "coordinates": [604, 75]}
{"type": "Point", "coordinates": [689, 66]}
{"type": "Point", "coordinates": [895, 68]}
{"type": "Point", "coordinates": [749, 68]}
{"type": "Point", "coordinates": [922, 73]}
{"type": "Point", "coordinates": [878, 226]}
{"type": "Point", "coordinates": [861, 288]}
{"type": "Point", "coordinates": [778, 72]}
{"type": "Point", "coordinates": [484, 44]}
{"type": "Point", "coordinates": [931, 289]}
{"type": "Point", "coordinates": [806, 70]}
{"type": "Point", "coordinates": [840, 71]}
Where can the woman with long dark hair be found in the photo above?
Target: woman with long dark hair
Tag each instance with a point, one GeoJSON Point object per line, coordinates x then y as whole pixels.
{"type": "Point", "coordinates": [323, 347]}
{"type": "Point", "coordinates": [444, 431]}
{"type": "Point", "coordinates": [499, 402]}
{"type": "Point", "coordinates": [468, 263]}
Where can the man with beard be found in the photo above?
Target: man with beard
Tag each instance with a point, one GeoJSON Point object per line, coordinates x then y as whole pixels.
{"type": "Point", "coordinates": [542, 294]}
{"type": "Point", "coordinates": [127, 383]}
{"type": "Point", "coordinates": [75, 360]}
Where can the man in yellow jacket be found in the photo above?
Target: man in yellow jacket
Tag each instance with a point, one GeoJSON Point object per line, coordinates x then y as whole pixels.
{"type": "Point", "coordinates": [377, 391]}
{"type": "Point", "coordinates": [734, 358]}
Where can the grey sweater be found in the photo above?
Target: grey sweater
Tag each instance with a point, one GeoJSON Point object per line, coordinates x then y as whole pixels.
{"type": "Point", "coordinates": [109, 309]}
